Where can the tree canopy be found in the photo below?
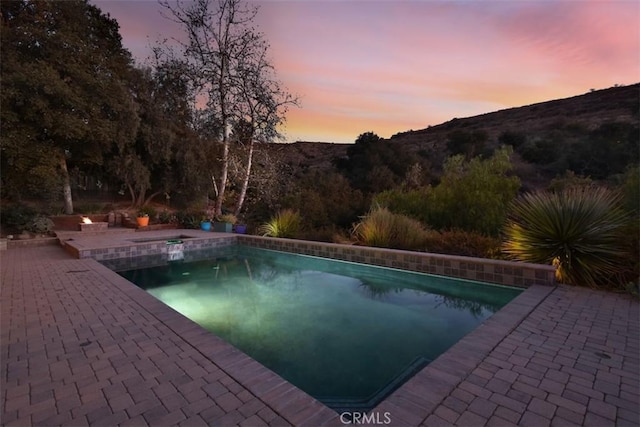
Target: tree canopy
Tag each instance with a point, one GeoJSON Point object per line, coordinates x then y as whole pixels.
{"type": "Point", "coordinates": [65, 98]}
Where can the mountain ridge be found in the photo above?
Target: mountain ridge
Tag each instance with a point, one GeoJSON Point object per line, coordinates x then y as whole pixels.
{"type": "Point", "coordinates": [585, 112]}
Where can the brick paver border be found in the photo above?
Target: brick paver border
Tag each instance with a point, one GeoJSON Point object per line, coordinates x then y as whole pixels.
{"type": "Point", "coordinates": [81, 345]}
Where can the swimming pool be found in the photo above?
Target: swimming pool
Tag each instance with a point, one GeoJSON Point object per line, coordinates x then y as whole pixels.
{"type": "Point", "coordinates": [347, 334]}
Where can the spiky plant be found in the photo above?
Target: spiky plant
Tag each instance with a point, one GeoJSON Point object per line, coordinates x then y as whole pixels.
{"type": "Point", "coordinates": [385, 229]}
{"type": "Point", "coordinates": [286, 223]}
{"type": "Point", "coordinates": [578, 230]}
{"type": "Point", "coordinates": [375, 228]}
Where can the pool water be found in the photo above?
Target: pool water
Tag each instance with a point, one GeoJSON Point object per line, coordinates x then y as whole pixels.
{"type": "Point", "coordinates": [348, 334]}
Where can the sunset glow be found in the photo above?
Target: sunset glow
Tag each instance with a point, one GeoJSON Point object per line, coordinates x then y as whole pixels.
{"type": "Point", "coordinates": [391, 66]}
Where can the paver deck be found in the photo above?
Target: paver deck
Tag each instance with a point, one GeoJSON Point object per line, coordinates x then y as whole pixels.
{"type": "Point", "coordinates": [80, 345]}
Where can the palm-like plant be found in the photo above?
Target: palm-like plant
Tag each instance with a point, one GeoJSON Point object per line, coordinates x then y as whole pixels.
{"type": "Point", "coordinates": [286, 223]}
{"type": "Point", "coordinates": [578, 230]}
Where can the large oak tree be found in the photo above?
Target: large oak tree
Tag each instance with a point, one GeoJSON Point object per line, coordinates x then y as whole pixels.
{"type": "Point", "coordinates": [65, 98]}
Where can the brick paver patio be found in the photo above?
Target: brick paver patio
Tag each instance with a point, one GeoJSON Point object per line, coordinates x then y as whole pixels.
{"type": "Point", "coordinates": [80, 345]}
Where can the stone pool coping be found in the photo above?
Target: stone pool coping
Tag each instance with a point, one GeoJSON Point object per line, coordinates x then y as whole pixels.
{"type": "Point", "coordinates": [501, 272]}
{"type": "Point", "coordinates": [425, 390]}
{"type": "Point", "coordinates": [554, 355]}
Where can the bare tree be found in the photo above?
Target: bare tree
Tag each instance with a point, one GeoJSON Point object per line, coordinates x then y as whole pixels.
{"type": "Point", "coordinates": [231, 75]}
{"type": "Point", "coordinates": [263, 107]}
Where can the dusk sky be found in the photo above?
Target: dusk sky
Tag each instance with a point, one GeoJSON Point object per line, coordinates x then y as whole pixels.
{"type": "Point", "coordinates": [392, 66]}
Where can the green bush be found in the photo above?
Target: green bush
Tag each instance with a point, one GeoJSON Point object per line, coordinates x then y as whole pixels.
{"type": "Point", "coordinates": [148, 210]}
{"type": "Point", "coordinates": [385, 229]}
{"type": "Point", "coordinates": [512, 138]}
{"type": "Point", "coordinates": [413, 203]}
{"type": "Point", "coordinates": [287, 223]}
{"type": "Point", "coordinates": [543, 151]}
{"type": "Point", "coordinates": [230, 218]}
{"type": "Point", "coordinates": [630, 188]}
{"type": "Point", "coordinates": [569, 180]}
{"type": "Point", "coordinates": [473, 195]}
{"type": "Point", "coordinates": [189, 219]}
{"type": "Point", "coordinates": [166, 217]}
{"type": "Point", "coordinates": [578, 230]}
{"type": "Point", "coordinates": [40, 224]}
{"type": "Point", "coordinates": [16, 216]}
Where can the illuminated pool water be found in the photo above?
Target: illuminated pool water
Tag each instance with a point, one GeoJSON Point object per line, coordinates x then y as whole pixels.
{"type": "Point", "coordinates": [347, 334]}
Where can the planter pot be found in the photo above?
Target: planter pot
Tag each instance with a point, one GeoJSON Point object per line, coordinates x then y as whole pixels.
{"type": "Point", "coordinates": [222, 227]}
{"type": "Point", "coordinates": [142, 221]}
{"type": "Point", "coordinates": [240, 229]}
{"type": "Point", "coordinates": [205, 225]}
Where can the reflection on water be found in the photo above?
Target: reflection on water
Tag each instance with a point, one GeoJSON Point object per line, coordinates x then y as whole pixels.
{"type": "Point", "coordinates": [345, 333]}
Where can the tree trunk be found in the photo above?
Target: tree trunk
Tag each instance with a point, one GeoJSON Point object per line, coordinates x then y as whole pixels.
{"type": "Point", "coordinates": [215, 185]}
{"type": "Point", "coordinates": [245, 182]}
{"type": "Point", "coordinates": [140, 201]}
{"type": "Point", "coordinates": [132, 192]}
{"type": "Point", "coordinates": [224, 173]}
{"type": "Point", "coordinates": [150, 198]}
{"type": "Point", "coordinates": [66, 187]}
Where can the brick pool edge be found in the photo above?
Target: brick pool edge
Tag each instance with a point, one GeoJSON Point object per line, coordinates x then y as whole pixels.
{"type": "Point", "coordinates": [500, 272]}
{"type": "Point", "coordinates": [478, 269]}
{"type": "Point", "coordinates": [412, 402]}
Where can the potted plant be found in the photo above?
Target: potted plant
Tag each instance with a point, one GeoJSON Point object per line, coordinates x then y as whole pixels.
{"type": "Point", "coordinates": [205, 223]}
{"type": "Point", "coordinates": [240, 228]}
{"type": "Point", "coordinates": [225, 223]}
{"type": "Point", "coordinates": [142, 219]}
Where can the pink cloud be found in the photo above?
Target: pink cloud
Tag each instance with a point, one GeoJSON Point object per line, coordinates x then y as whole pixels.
{"type": "Point", "coordinates": [391, 66]}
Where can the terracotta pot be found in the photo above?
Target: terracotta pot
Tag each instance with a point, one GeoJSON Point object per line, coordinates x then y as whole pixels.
{"type": "Point", "coordinates": [143, 221]}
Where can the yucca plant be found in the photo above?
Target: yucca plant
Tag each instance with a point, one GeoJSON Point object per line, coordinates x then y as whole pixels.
{"type": "Point", "coordinates": [286, 223]}
{"type": "Point", "coordinates": [578, 230]}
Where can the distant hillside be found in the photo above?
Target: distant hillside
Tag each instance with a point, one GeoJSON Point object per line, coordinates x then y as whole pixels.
{"type": "Point", "coordinates": [564, 122]}
{"type": "Point", "coordinates": [621, 104]}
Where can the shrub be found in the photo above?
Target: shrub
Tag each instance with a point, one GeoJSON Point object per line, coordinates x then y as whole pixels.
{"type": "Point", "coordinates": [230, 218]}
{"type": "Point", "coordinates": [385, 229]}
{"type": "Point", "coordinates": [569, 180]}
{"type": "Point", "coordinates": [579, 231]}
{"type": "Point", "coordinates": [465, 243]}
{"type": "Point", "coordinates": [166, 217]}
{"type": "Point", "coordinates": [149, 211]}
{"type": "Point", "coordinates": [286, 223]}
{"type": "Point", "coordinates": [375, 228]}
{"type": "Point", "coordinates": [413, 203]}
{"type": "Point", "coordinates": [40, 224]}
{"type": "Point", "coordinates": [512, 138]}
{"type": "Point", "coordinates": [630, 188]}
{"type": "Point", "coordinates": [473, 195]}
{"type": "Point", "coordinates": [189, 219]}
{"type": "Point", "coordinates": [17, 216]}
{"type": "Point", "coordinates": [543, 151]}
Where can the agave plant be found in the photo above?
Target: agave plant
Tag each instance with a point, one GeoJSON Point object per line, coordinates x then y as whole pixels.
{"type": "Point", "coordinates": [577, 230]}
{"type": "Point", "coordinates": [286, 223]}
